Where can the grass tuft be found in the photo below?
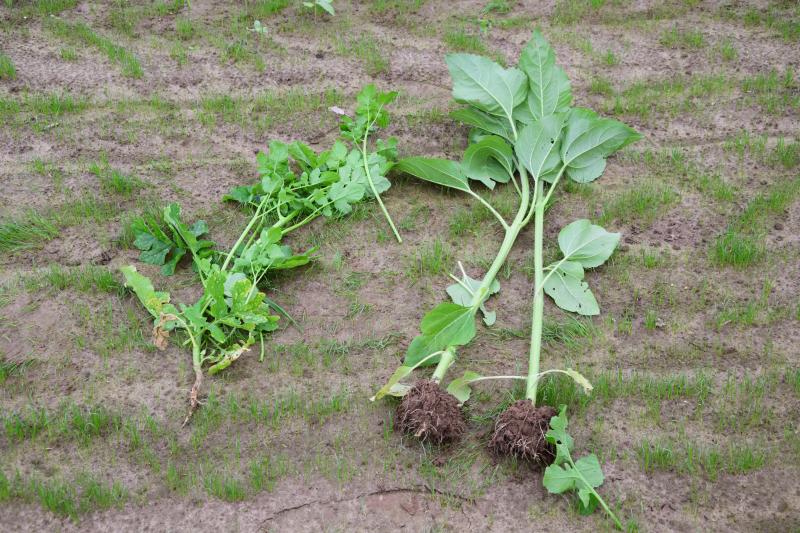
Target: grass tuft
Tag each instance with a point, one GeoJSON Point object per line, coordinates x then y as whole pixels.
{"type": "Point", "coordinates": [7, 69]}
{"type": "Point", "coordinates": [80, 32]}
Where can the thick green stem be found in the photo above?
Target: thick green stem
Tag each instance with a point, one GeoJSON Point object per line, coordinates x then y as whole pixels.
{"type": "Point", "coordinates": [445, 362]}
{"type": "Point", "coordinates": [508, 242]}
{"type": "Point", "coordinates": [538, 296]}
{"type": "Point", "coordinates": [482, 292]}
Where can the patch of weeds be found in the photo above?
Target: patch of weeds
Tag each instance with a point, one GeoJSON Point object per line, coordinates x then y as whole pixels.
{"type": "Point", "coordinates": [68, 54]}
{"type": "Point", "coordinates": [240, 51]}
{"type": "Point", "coordinates": [689, 458]}
{"type": "Point", "coordinates": [715, 186]}
{"type": "Point", "coordinates": [225, 487]}
{"type": "Point", "coordinates": [150, 215]}
{"type": "Point", "coordinates": [184, 29]}
{"type": "Point", "coordinates": [9, 369]}
{"type": "Point", "coordinates": [43, 7]}
{"type": "Point", "coordinates": [80, 32]}
{"type": "Point", "coordinates": [733, 248]}
{"type": "Point", "coordinates": [462, 40]}
{"type": "Point", "coordinates": [601, 85]}
{"type": "Point", "coordinates": [728, 51]}
{"type": "Point", "coordinates": [89, 279]}
{"type": "Point", "coordinates": [640, 204]}
{"type": "Point", "coordinates": [367, 50]}
{"type": "Point", "coordinates": [687, 40]}
{"type": "Point", "coordinates": [469, 220]}
{"type": "Point", "coordinates": [745, 142]}
{"type": "Point", "coordinates": [431, 259]}
{"type": "Point", "coordinates": [785, 154]}
{"type": "Point", "coordinates": [569, 333]}
{"type": "Point", "coordinates": [397, 8]}
{"type": "Point", "coordinates": [669, 96]}
{"type": "Point", "coordinates": [7, 69]}
{"type": "Point", "coordinates": [776, 93]}
{"type": "Point", "coordinates": [742, 243]}
{"type": "Point", "coordinates": [610, 59]}
{"type": "Point", "coordinates": [26, 232]}
{"type": "Point", "coordinates": [179, 54]}
{"type": "Point", "coordinates": [262, 9]}
{"type": "Point", "coordinates": [568, 12]}
{"type": "Point", "coordinates": [113, 180]}
{"type": "Point", "coordinates": [501, 7]}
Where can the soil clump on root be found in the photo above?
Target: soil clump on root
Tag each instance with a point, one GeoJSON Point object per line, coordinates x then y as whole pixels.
{"type": "Point", "coordinates": [520, 431]}
{"type": "Point", "coordinates": [430, 413]}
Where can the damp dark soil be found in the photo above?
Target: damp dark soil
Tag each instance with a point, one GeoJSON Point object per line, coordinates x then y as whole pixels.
{"type": "Point", "coordinates": [431, 414]}
{"type": "Point", "coordinates": [520, 432]}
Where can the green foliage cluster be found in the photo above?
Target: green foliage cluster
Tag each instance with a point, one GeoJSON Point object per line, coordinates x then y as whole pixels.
{"type": "Point", "coordinates": [296, 185]}
{"type": "Point", "coordinates": [524, 133]}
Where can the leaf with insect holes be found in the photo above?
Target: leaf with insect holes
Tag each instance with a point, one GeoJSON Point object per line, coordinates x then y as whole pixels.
{"type": "Point", "coordinates": [538, 145]}
{"type": "Point", "coordinates": [482, 121]}
{"type": "Point", "coordinates": [464, 295]}
{"type": "Point", "coordinates": [439, 171]}
{"type": "Point", "coordinates": [550, 90]}
{"type": "Point", "coordinates": [445, 325]}
{"type": "Point", "coordinates": [460, 388]}
{"type": "Point", "coordinates": [489, 160]}
{"type": "Point", "coordinates": [482, 83]}
{"type": "Point", "coordinates": [152, 300]}
{"type": "Point", "coordinates": [589, 140]}
{"type": "Point", "coordinates": [571, 293]}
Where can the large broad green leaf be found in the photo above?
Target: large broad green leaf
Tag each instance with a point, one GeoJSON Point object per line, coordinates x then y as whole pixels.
{"type": "Point", "coordinates": [587, 244]}
{"type": "Point", "coordinates": [439, 171]}
{"type": "Point", "coordinates": [538, 144]}
{"type": "Point", "coordinates": [489, 160]}
{"type": "Point", "coordinates": [445, 325]}
{"type": "Point", "coordinates": [483, 121]}
{"type": "Point", "coordinates": [151, 299]}
{"type": "Point", "coordinates": [481, 82]}
{"type": "Point", "coordinates": [550, 90]}
{"type": "Point", "coordinates": [589, 140]}
{"type": "Point", "coordinates": [571, 293]}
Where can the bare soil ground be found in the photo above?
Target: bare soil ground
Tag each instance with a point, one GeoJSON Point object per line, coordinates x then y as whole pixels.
{"type": "Point", "coordinates": [695, 360]}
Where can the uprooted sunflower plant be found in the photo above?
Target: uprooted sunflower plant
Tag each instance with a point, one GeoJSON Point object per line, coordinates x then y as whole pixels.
{"type": "Point", "coordinates": [296, 186]}
{"type": "Point", "coordinates": [524, 133]}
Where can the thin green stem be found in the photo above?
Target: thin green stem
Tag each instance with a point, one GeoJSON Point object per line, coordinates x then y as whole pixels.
{"type": "Point", "coordinates": [372, 185]}
{"type": "Point", "coordinates": [241, 237]}
{"type": "Point", "coordinates": [596, 495]}
{"type": "Point", "coordinates": [491, 209]}
{"type": "Point", "coordinates": [538, 295]}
